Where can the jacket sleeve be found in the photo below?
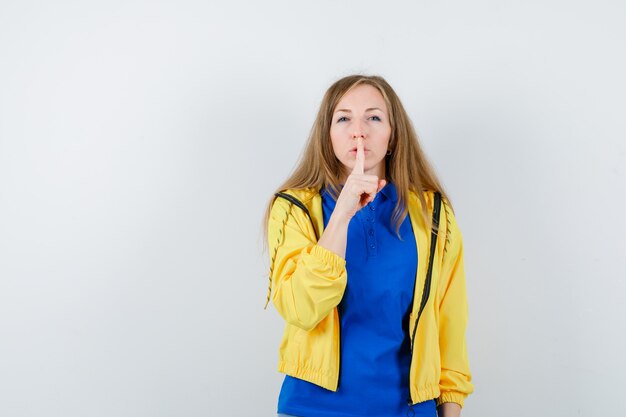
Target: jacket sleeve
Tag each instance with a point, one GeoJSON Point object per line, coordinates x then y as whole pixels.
{"type": "Point", "coordinates": [307, 280]}
{"type": "Point", "coordinates": [455, 383]}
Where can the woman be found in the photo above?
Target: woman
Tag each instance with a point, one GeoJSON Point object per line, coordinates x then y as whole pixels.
{"type": "Point", "coordinates": [366, 268]}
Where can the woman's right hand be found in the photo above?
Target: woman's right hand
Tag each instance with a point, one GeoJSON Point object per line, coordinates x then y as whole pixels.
{"type": "Point", "coordinates": [359, 188]}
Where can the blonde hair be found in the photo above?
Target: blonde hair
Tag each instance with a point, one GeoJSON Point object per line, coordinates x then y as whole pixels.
{"type": "Point", "coordinates": [407, 167]}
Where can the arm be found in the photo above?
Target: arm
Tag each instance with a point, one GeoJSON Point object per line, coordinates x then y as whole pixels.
{"type": "Point", "coordinates": [449, 410]}
{"type": "Point", "coordinates": [308, 280]}
{"type": "Point", "coordinates": [455, 383]}
{"type": "Point", "coordinates": [335, 236]}
{"type": "Point", "coordinates": [310, 277]}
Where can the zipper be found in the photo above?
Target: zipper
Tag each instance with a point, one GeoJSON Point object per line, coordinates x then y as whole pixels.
{"type": "Point", "coordinates": [426, 293]}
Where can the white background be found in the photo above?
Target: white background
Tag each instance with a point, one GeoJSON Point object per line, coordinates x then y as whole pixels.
{"type": "Point", "coordinates": [141, 140]}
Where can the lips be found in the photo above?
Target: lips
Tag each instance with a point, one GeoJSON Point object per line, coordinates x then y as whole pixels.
{"type": "Point", "coordinates": [354, 149]}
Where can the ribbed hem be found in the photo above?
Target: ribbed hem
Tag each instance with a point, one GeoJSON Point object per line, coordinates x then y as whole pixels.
{"type": "Point", "coordinates": [314, 376]}
{"type": "Point", "coordinates": [425, 393]}
{"type": "Point", "coordinates": [451, 397]}
{"type": "Point", "coordinates": [329, 257]}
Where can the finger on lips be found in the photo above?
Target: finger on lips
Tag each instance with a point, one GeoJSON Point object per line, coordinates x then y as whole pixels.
{"type": "Point", "coordinates": [359, 164]}
{"type": "Point", "coordinates": [369, 184]}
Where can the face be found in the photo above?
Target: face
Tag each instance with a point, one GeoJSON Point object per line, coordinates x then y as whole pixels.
{"type": "Point", "coordinates": [361, 112]}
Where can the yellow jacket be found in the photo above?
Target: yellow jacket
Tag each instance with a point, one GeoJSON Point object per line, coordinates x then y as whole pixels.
{"type": "Point", "coordinates": [308, 282]}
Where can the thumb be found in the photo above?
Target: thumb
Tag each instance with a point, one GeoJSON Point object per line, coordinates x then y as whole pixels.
{"type": "Point", "coordinates": [381, 185]}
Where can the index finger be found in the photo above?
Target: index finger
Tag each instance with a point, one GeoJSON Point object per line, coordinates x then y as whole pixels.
{"type": "Point", "coordinates": [359, 164]}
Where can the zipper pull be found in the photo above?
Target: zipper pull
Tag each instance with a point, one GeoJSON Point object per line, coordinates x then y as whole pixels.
{"type": "Point", "coordinates": [410, 412]}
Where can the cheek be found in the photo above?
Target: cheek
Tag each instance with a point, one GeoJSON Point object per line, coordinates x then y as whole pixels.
{"type": "Point", "coordinates": [339, 154]}
{"type": "Point", "coordinates": [383, 134]}
{"type": "Point", "coordinates": [387, 135]}
{"type": "Point", "coordinates": [334, 134]}
{"type": "Point", "coordinates": [335, 139]}
{"type": "Point", "coordinates": [386, 129]}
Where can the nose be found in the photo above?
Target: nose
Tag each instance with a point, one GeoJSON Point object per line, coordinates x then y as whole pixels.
{"type": "Point", "coordinates": [358, 130]}
{"type": "Point", "coordinates": [358, 134]}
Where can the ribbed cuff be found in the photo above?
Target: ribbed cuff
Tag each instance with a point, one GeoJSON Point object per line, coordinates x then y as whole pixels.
{"type": "Point", "coordinates": [451, 397]}
{"type": "Point", "coordinates": [329, 257]}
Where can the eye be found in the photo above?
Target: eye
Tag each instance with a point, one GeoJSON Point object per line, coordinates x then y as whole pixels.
{"type": "Point", "coordinates": [377, 118]}
{"type": "Point", "coordinates": [340, 119]}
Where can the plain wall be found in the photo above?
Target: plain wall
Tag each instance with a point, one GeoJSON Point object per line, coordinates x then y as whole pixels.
{"type": "Point", "coordinates": [140, 142]}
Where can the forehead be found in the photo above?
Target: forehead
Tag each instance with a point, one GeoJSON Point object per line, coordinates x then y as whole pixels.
{"type": "Point", "coordinates": [362, 96]}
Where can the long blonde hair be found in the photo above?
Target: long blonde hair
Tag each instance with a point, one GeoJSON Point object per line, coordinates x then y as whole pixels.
{"type": "Point", "coordinates": [407, 167]}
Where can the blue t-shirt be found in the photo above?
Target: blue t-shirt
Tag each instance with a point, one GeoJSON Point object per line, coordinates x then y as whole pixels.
{"type": "Point", "coordinates": [374, 313]}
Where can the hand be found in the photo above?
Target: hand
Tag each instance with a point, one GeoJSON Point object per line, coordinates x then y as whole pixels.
{"type": "Point", "coordinates": [359, 189]}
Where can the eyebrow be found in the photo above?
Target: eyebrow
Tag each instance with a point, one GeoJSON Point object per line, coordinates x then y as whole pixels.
{"type": "Point", "coordinates": [350, 111]}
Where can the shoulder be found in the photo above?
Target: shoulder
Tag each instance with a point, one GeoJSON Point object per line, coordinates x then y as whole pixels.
{"type": "Point", "coordinates": [304, 198]}
{"type": "Point", "coordinates": [447, 220]}
{"type": "Point", "coordinates": [305, 195]}
{"type": "Point", "coordinates": [298, 196]}
{"type": "Point", "coordinates": [428, 197]}
{"type": "Point", "coordinates": [297, 209]}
